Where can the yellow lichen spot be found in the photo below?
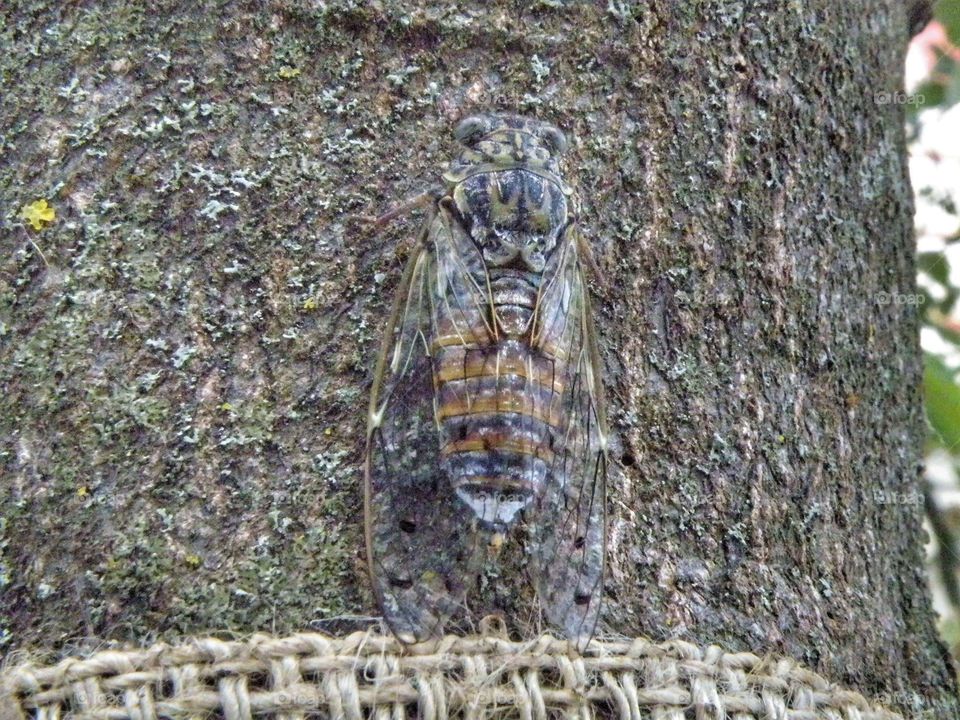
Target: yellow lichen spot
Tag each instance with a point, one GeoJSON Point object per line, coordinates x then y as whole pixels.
{"type": "Point", "coordinates": [310, 304]}
{"type": "Point", "coordinates": [83, 491]}
{"type": "Point", "coordinates": [328, 432]}
{"type": "Point", "coordinates": [287, 72]}
{"type": "Point", "coordinates": [38, 213]}
{"type": "Point", "coordinates": [226, 407]}
{"type": "Point", "coordinates": [192, 560]}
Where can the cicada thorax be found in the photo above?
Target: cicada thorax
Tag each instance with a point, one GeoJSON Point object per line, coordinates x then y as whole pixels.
{"type": "Point", "coordinates": [498, 377]}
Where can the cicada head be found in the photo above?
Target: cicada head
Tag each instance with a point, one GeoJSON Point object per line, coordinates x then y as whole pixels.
{"type": "Point", "coordinates": [504, 142]}
{"type": "Point", "coordinates": [507, 189]}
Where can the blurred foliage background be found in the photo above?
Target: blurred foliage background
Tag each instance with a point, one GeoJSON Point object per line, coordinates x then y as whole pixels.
{"type": "Point", "coordinates": [932, 97]}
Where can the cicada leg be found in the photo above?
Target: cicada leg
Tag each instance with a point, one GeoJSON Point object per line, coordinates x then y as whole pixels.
{"type": "Point", "coordinates": [423, 199]}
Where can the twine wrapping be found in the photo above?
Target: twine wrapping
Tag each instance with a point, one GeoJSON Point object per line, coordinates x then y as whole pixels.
{"type": "Point", "coordinates": [368, 675]}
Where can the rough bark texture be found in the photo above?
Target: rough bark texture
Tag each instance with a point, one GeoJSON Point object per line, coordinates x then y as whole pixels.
{"type": "Point", "coordinates": [184, 370]}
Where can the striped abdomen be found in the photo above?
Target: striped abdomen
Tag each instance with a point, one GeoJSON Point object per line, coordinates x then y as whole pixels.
{"type": "Point", "coordinates": [499, 403]}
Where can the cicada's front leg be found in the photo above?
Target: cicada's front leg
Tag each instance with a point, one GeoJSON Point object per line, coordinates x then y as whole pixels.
{"type": "Point", "coordinates": [424, 199]}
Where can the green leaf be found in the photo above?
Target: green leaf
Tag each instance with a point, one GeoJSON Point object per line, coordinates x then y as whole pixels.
{"type": "Point", "coordinates": [942, 402]}
{"type": "Point", "coordinates": [952, 91]}
{"type": "Point", "coordinates": [933, 94]}
{"type": "Point", "coordinates": [936, 265]}
{"type": "Point", "coordinates": [948, 13]}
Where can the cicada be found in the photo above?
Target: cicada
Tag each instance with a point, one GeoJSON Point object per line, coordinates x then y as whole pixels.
{"type": "Point", "coordinates": [486, 415]}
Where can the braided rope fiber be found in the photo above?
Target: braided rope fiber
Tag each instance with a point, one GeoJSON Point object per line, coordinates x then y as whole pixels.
{"type": "Point", "coordinates": [369, 675]}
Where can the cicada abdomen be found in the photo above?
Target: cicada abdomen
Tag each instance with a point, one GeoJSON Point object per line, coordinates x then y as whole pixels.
{"type": "Point", "coordinates": [486, 415]}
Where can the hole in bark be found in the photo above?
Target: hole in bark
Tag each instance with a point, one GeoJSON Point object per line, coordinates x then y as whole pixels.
{"type": "Point", "coordinates": [408, 526]}
{"type": "Point", "coordinates": [627, 460]}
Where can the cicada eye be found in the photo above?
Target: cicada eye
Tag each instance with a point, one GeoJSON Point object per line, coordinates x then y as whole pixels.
{"type": "Point", "coordinates": [555, 140]}
{"type": "Point", "coordinates": [472, 129]}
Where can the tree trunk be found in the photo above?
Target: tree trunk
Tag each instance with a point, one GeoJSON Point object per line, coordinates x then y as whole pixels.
{"type": "Point", "coordinates": [188, 347]}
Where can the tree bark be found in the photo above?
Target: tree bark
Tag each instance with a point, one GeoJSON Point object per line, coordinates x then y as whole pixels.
{"type": "Point", "coordinates": [187, 349]}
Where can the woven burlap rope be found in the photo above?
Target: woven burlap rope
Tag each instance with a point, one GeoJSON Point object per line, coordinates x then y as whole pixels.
{"type": "Point", "coordinates": [369, 675]}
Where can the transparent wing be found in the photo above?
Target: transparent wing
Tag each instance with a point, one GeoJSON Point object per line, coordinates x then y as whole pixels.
{"type": "Point", "coordinates": [420, 538]}
{"type": "Point", "coordinates": [568, 522]}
